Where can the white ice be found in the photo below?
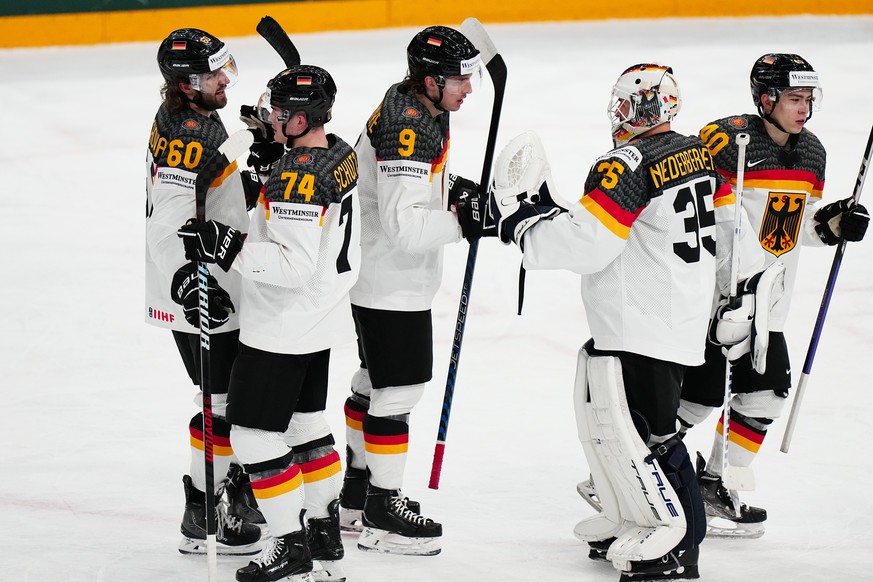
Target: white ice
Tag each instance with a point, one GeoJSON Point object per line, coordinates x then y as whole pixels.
{"type": "Point", "coordinates": [96, 403]}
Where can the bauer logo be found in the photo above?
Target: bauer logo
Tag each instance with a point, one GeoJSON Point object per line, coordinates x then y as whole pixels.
{"type": "Point", "coordinates": [411, 112]}
{"type": "Point", "coordinates": [299, 214]}
{"type": "Point", "coordinates": [303, 159]}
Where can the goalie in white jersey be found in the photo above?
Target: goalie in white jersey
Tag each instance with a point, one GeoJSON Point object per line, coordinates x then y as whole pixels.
{"type": "Point", "coordinates": [647, 238]}
{"type": "Point", "coordinates": [784, 178]}
{"type": "Point", "coordinates": [298, 262]}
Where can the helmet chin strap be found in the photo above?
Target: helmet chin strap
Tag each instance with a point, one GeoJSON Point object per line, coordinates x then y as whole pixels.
{"type": "Point", "coordinates": [437, 102]}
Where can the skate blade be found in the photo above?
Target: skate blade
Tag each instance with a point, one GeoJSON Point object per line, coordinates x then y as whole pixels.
{"type": "Point", "coordinates": [688, 573]}
{"type": "Point", "coordinates": [586, 490]}
{"type": "Point", "coordinates": [379, 540]}
{"type": "Point", "coordinates": [194, 547]}
{"type": "Point", "coordinates": [327, 571]}
{"type": "Point", "coordinates": [350, 520]}
{"type": "Point", "coordinates": [717, 527]}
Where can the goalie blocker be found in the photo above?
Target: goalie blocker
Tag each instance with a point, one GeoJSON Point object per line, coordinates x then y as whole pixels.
{"type": "Point", "coordinates": [651, 506]}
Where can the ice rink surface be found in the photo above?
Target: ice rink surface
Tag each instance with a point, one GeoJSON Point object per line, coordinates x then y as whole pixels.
{"type": "Point", "coordinates": [96, 403]}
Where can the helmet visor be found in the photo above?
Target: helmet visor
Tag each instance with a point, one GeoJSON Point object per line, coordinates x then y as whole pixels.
{"type": "Point", "coordinates": [223, 68]}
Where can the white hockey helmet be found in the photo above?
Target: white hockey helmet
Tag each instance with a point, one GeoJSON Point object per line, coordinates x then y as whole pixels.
{"type": "Point", "coordinates": [645, 96]}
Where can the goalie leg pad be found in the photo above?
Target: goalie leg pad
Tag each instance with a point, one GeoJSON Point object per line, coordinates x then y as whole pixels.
{"type": "Point", "coordinates": [646, 497]}
{"type": "Point", "coordinates": [608, 522]}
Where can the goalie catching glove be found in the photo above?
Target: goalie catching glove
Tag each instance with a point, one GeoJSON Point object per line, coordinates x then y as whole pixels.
{"type": "Point", "coordinates": [843, 218]}
{"type": "Point", "coordinates": [211, 242]}
{"type": "Point", "coordinates": [185, 290]}
{"type": "Point", "coordinates": [466, 202]}
{"type": "Point", "coordinates": [744, 327]}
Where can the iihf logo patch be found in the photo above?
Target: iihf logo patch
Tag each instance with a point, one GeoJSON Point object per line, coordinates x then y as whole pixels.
{"type": "Point", "coordinates": [190, 124]}
{"type": "Point", "coordinates": [411, 112]}
{"type": "Point", "coordinates": [738, 122]}
{"type": "Point", "coordinates": [303, 159]}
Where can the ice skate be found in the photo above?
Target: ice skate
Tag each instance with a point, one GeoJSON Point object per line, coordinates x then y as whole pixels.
{"type": "Point", "coordinates": [391, 527]}
{"type": "Point", "coordinates": [326, 546]}
{"type": "Point", "coordinates": [241, 500]}
{"type": "Point", "coordinates": [285, 558]}
{"type": "Point", "coordinates": [677, 565]}
{"type": "Point", "coordinates": [587, 491]}
{"type": "Point", "coordinates": [720, 504]}
{"type": "Point", "coordinates": [233, 535]}
{"type": "Point", "coordinates": [353, 496]}
{"type": "Point", "coordinates": [597, 550]}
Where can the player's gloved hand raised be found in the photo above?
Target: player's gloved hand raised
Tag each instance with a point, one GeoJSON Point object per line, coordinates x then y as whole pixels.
{"type": "Point", "coordinates": [515, 218]}
{"type": "Point", "coordinates": [265, 152]}
{"type": "Point", "coordinates": [211, 242]}
{"type": "Point", "coordinates": [469, 205]}
{"type": "Point", "coordinates": [185, 290]}
{"type": "Point", "coordinates": [842, 218]}
{"type": "Point", "coordinates": [743, 328]}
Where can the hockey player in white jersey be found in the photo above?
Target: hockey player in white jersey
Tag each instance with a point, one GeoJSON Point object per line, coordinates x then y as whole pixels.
{"type": "Point", "coordinates": [645, 238]}
{"type": "Point", "coordinates": [298, 262]}
{"type": "Point", "coordinates": [197, 69]}
{"type": "Point", "coordinates": [784, 178]}
{"type": "Point", "coordinates": [410, 209]}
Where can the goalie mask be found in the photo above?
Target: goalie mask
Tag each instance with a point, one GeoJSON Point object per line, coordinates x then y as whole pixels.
{"type": "Point", "coordinates": [190, 55]}
{"type": "Point", "coordinates": [776, 74]}
{"type": "Point", "coordinates": [644, 97]}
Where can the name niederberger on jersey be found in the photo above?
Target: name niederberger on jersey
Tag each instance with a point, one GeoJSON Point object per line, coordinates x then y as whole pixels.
{"type": "Point", "coordinates": [404, 171]}
{"type": "Point", "coordinates": [296, 212]}
{"type": "Point", "coordinates": [680, 164]}
{"type": "Point", "coordinates": [175, 178]}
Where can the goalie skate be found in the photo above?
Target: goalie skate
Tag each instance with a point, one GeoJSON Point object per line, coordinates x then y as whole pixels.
{"type": "Point", "coordinates": [720, 504]}
{"type": "Point", "coordinates": [588, 493]}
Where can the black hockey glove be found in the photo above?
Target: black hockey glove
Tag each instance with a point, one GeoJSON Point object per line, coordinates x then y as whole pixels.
{"type": "Point", "coordinates": [842, 218]}
{"type": "Point", "coordinates": [211, 242]}
{"type": "Point", "coordinates": [251, 187]}
{"type": "Point", "coordinates": [185, 290]}
{"type": "Point", "coordinates": [265, 152]}
{"type": "Point", "coordinates": [468, 204]}
{"type": "Point", "coordinates": [514, 218]}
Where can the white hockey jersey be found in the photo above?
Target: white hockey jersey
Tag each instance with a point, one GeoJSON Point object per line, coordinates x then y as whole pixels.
{"type": "Point", "coordinates": [302, 253]}
{"type": "Point", "coordinates": [781, 192]}
{"type": "Point", "coordinates": [404, 220]}
{"type": "Point", "coordinates": [644, 238]}
{"type": "Point", "coordinates": [179, 145]}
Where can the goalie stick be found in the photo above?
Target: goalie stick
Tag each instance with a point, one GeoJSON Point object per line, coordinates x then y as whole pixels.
{"type": "Point", "coordinates": [734, 478]}
{"type": "Point", "coordinates": [823, 309]}
{"type": "Point", "coordinates": [232, 148]}
{"type": "Point", "coordinates": [274, 34]}
{"type": "Point", "coordinates": [476, 33]}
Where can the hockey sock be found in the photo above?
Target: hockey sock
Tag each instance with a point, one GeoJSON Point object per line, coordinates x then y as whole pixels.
{"type": "Point", "coordinates": [222, 453]}
{"type": "Point", "coordinates": [278, 487]}
{"type": "Point", "coordinates": [744, 440]}
{"type": "Point", "coordinates": [356, 408]}
{"type": "Point", "coordinates": [322, 475]}
{"type": "Point", "coordinates": [386, 440]}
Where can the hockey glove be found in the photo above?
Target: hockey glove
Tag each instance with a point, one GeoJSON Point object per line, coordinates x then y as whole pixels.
{"type": "Point", "coordinates": [185, 290]}
{"type": "Point", "coordinates": [515, 219]}
{"type": "Point", "coordinates": [251, 187]}
{"type": "Point", "coordinates": [211, 242]}
{"type": "Point", "coordinates": [744, 328]}
{"type": "Point", "coordinates": [265, 152]}
{"type": "Point", "coordinates": [466, 201]}
{"type": "Point", "coordinates": [843, 219]}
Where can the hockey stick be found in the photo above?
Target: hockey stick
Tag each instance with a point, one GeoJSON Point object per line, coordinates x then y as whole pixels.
{"type": "Point", "coordinates": [823, 309]}
{"type": "Point", "coordinates": [476, 33]}
{"type": "Point", "coordinates": [734, 478]}
{"type": "Point", "coordinates": [274, 34]}
{"type": "Point", "coordinates": [232, 148]}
